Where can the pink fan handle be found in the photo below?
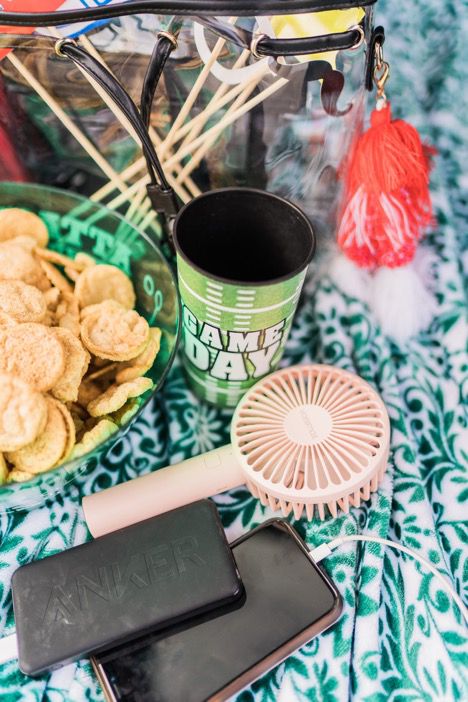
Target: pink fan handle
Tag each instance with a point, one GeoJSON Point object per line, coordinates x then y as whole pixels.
{"type": "Point", "coordinates": [161, 491]}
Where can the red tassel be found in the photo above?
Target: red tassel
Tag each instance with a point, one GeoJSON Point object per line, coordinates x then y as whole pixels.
{"type": "Point", "coordinates": [387, 200]}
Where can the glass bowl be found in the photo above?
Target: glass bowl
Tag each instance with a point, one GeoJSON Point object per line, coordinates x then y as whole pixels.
{"type": "Point", "coordinates": [77, 224]}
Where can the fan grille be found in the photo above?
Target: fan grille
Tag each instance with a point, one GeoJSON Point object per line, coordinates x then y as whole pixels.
{"type": "Point", "coordinates": [311, 436]}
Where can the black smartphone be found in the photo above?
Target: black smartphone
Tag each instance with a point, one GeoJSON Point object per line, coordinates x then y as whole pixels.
{"type": "Point", "coordinates": [288, 600]}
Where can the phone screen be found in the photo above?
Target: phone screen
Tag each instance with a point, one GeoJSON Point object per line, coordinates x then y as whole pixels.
{"type": "Point", "coordinates": [285, 595]}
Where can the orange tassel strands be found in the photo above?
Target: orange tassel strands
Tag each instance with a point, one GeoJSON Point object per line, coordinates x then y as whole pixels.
{"type": "Point", "coordinates": [387, 203]}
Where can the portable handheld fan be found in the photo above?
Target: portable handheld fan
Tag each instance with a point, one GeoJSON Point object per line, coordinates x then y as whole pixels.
{"type": "Point", "coordinates": [306, 437]}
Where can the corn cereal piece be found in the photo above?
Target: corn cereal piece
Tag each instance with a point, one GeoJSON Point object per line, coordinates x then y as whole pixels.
{"type": "Point", "coordinates": [52, 298]}
{"type": "Point", "coordinates": [22, 302]}
{"type": "Point", "coordinates": [114, 333]}
{"type": "Point", "coordinates": [125, 413]}
{"type": "Point", "coordinates": [33, 353]}
{"type": "Point", "coordinates": [110, 306]}
{"type": "Point", "coordinates": [104, 282]}
{"type": "Point", "coordinates": [95, 436]}
{"type": "Point", "coordinates": [76, 364]}
{"type": "Point", "coordinates": [71, 432]}
{"type": "Point", "coordinates": [55, 277]}
{"type": "Point", "coordinates": [117, 395]}
{"type": "Point", "coordinates": [71, 273]}
{"type": "Point", "coordinates": [88, 391]}
{"type": "Point", "coordinates": [19, 476]}
{"type": "Point", "coordinates": [56, 258]}
{"type": "Point", "coordinates": [17, 222]}
{"type": "Point", "coordinates": [23, 413]}
{"type": "Point", "coordinates": [105, 372]}
{"type": "Point", "coordinates": [142, 363]}
{"type": "Point", "coordinates": [6, 321]}
{"type": "Point", "coordinates": [3, 470]}
{"type": "Point", "coordinates": [27, 242]}
{"type": "Point", "coordinates": [50, 447]}
{"type": "Point", "coordinates": [67, 314]}
{"type": "Point", "coordinates": [16, 263]}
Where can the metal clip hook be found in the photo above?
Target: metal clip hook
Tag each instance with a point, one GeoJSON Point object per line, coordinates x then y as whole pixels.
{"type": "Point", "coordinates": [381, 73]}
{"type": "Point", "coordinates": [61, 42]}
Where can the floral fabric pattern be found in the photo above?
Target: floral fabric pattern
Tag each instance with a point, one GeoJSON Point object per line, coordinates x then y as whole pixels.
{"type": "Point", "coordinates": [401, 638]}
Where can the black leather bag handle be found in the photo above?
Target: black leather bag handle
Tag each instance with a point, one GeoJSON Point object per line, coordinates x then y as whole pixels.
{"type": "Point", "coordinates": [160, 192]}
{"type": "Point", "coordinates": [262, 46]}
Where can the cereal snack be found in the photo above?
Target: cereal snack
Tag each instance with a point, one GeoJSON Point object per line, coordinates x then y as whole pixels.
{"type": "Point", "coordinates": [114, 333]}
{"type": "Point", "coordinates": [102, 282]}
{"type": "Point", "coordinates": [6, 321]}
{"type": "Point", "coordinates": [22, 302]}
{"type": "Point", "coordinates": [73, 351]}
{"type": "Point", "coordinates": [117, 395]}
{"type": "Point", "coordinates": [34, 353]}
{"type": "Point", "coordinates": [95, 436]}
{"type": "Point", "coordinates": [3, 470]}
{"type": "Point", "coordinates": [52, 446]}
{"type": "Point", "coordinates": [15, 222]}
{"type": "Point", "coordinates": [76, 364]}
{"type": "Point", "coordinates": [16, 263]}
{"type": "Point", "coordinates": [142, 363]}
{"type": "Point", "coordinates": [23, 413]}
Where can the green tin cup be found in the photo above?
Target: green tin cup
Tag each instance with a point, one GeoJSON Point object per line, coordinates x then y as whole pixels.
{"type": "Point", "coordinates": [242, 256]}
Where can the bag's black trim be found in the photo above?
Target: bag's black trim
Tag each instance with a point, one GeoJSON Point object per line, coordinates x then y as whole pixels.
{"type": "Point", "coordinates": [308, 45]}
{"type": "Point", "coordinates": [215, 8]}
{"type": "Point", "coordinates": [264, 47]}
{"type": "Point", "coordinates": [161, 52]}
{"type": "Point", "coordinates": [378, 35]}
{"type": "Point", "coordinates": [283, 47]}
{"type": "Point", "coordinates": [160, 192]}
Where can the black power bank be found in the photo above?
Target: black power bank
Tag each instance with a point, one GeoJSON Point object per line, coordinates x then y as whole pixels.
{"type": "Point", "coordinates": [133, 581]}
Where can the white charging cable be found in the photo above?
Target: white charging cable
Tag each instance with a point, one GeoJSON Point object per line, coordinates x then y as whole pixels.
{"type": "Point", "coordinates": [325, 550]}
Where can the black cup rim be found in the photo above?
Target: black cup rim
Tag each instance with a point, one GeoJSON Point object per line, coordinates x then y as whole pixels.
{"type": "Point", "coordinates": [243, 283]}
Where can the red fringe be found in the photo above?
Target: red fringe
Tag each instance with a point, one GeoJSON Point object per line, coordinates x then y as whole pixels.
{"type": "Point", "coordinates": [387, 200]}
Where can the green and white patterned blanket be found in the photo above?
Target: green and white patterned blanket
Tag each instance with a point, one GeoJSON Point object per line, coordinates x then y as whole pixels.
{"type": "Point", "coordinates": [400, 639]}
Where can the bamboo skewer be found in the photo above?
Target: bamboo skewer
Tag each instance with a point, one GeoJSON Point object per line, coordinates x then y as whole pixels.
{"type": "Point", "coordinates": [194, 143]}
{"type": "Point", "coordinates": [126, 124]}
{"type": "Point", "coordinates": [135, 204]}
{"type": "Point", "coordinates": [194, 93]}
{"type": "Point", "coordinates": [208, 143]}
{"type": "Point", "coordinates": [147, 220]}
{"type": "Point", "coordinates": [226, 121]}
{"type": "Point", "coordinates": [208, 138]}
{"type": "Point", "coordinates": [126, 174]}
{"type": "Point", "coordinates": [140, 163]}
{"type": "Point", "coordinates": [131, 190]}
{"type": "Point", "coordinates": [244, 90]}
{"type": "Point", "coordinates": [138, 202]}
{"type": "Point", "coordinates": [117, 183]}
{"type": "Point", "coordinates": [219, 100]}
{"type": "Point", "coordinates": [221, 97]}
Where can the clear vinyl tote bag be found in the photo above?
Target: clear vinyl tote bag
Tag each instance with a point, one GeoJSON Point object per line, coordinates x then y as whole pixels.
{"type": "Point", "coordinates": [263, 94]}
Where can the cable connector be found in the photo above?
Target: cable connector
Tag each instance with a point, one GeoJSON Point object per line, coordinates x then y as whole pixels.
{"type": "Point", "coordinates": [321, 552]}
{"type": "Point", "coordinates": [163, 201]}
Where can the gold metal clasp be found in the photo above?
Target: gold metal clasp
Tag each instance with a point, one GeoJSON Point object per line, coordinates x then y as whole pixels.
{"type": "Point", "coordinates": [168, 35]}
{"type": "Point", "coordinates": [381, 73]}
{"type": "Point", "coordinates": [60, 43]}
